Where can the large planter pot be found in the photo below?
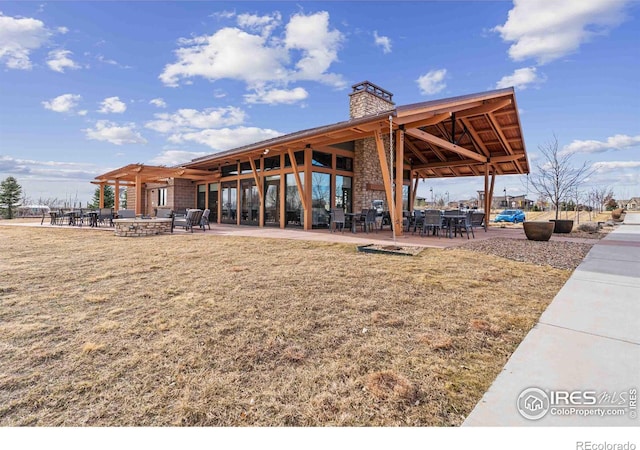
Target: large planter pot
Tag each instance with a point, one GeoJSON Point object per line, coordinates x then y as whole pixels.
{"type": "Point", "coordinates": [616, 214]}
{"type": "Point", "coordinates": [538, 231]}
{"type": "Point", "coordinates": [562, 225]}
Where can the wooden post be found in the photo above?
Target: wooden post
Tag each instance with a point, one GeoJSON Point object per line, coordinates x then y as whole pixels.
{"type": "Point", "coordinates": [301, 190]}
{"type": "Point", "coordinates": [283, 196]}
{"type": "Point", "coordinates": [116, 196]}
{"type": "Point", "coordinates": [258, 181]}
{"type": "Point", "coordinates": [386, 178]}
{"type": "Point", "coordinates": [308, 188]}
{"type": "Point", "coordinates": [139, 198]}
{"type": "Point", "coordinates": [101, 195]}
{"type": "Point", "coordinates": [493, 182]}
{"type": "Point", "coordinates": [487, 200]}
{"type": "Point", "coordinates": [399, 179]}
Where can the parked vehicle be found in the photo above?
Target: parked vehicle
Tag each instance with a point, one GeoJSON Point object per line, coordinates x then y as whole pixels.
{"type": "Point", "coordinates": [510, 215]}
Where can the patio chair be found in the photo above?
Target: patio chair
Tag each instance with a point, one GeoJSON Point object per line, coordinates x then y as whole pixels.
{"type": "Point", "coordinates": [477, 220]}
{"type": "Point", "coordinates": [191, 219]}
{"type": "Point", "coordinates": [432, 222]}
{"type": "Point", "coordinates": [465, 225]}
{"type": "Point", "coordinates": [337, 218]}
{"type": "Point", "coordinates": [418, 221]}
{"type": "Point", "coordinates": [361, 218]}
{"type": "Point", "coordinates": [126, 214]}
{"type": "Point", "coordinates": [105, 215]}
{"type": "Point", "coordinates": [204, 221]}
{"type": "Point", "coordinates": [370, 220]}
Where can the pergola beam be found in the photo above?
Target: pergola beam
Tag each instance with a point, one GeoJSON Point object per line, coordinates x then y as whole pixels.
{"type": "Point", "coordinates": [422, 135]}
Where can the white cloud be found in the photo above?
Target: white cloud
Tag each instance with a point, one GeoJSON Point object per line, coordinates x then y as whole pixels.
{"type": "Point", "coordinates": [382, 41]}
{"type": "Point", "coordinates": [65, 103]}
{"type": "Point", "coordinates": [432, 82]}
{"type": "Point", "coordinates": [185, 120]}
{"type": "Point", "coordinates": [59, 60]}
{"type": "Point", "coordinates": [606, 166]}
{"type": "Point", "coordinates": [546, 30]}
{"type": "Point", "coordinates": [521, 78]}
{"type": "Point", "coordinates": [226, 138]}
{"type": "Point", "coordinates": [112, 105]}
{"type": "Point", "coordinates": [175, 157]}
{"type": "Point", "coordinates": [616, 142]}
{"type": "Point", "coordinates": [261, 24]}
{"type": "Point", "coordinates": [158, 102]}
{"type": "Point", "coordinates": [319, 46]}
{"type": "Point", "coordinates": [254, 56]}
{"type": "Point", "coordinates": [18, 38]}
{"type": "Point", "coordinates": [48, 169]}
{"type": "Point", "coordinates": [275, 96]}
{"type": "Point", "coordinates": [111, 132]}
{"type": "Point", "coordinates": [62, 30]}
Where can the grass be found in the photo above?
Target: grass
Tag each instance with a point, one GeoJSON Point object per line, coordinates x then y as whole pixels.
{"type": "Point", "coordinates": [205, 330]}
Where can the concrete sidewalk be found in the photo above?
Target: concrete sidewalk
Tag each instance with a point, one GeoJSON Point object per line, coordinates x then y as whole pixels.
{"type": "Point", "coordinates": [587, 343]}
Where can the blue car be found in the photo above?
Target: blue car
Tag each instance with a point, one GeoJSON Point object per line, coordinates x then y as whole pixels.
{"type": "Point", "coordinates": [510, 215]}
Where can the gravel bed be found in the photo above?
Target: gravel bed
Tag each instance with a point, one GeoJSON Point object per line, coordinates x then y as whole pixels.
{"type": "Point", "coordinates": [558, 254]}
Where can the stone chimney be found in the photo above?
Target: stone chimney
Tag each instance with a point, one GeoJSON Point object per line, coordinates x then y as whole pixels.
{"type": "Point", "coordinates": [367, 99]}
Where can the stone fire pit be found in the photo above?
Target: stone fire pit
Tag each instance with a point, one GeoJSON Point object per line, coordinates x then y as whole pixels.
{"type": "Point", "coordinates": [141, 227]}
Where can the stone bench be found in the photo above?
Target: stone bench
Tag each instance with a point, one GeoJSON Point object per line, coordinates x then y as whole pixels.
{"type": "Point", "coordinates": [141, 227]}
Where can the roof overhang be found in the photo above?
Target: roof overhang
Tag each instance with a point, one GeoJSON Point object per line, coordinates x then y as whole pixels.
{"type": "Point", "coordinates": [460, 136]}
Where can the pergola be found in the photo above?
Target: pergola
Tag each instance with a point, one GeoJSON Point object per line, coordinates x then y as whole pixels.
{"type": "Point", "coordinates": [136, 175]}
{"type": "Point", "coordinates": [471, 135]}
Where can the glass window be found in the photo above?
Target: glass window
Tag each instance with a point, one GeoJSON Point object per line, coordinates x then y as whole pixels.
{"type": "Point", "coordinates": [202, 190]}
{"type": "Point", "coordinates": [231, 169]}
{"type": "Point", "coordinates": [162, 197]}
{"type": "Point", "coordinates": [229, 202]}
{"type": "Point", "coordinates": [343, 193]}
{"type": "Point", "coordinates": [321, 159]}
{"type": "Point", "coordinates": [344, 163]}
{"type": "Point", "coordinates": [272, 163]}
{"type": "Point", "coordinates": [213, 202]}
{"type": "Point", "coordinates": [272, 200]}
{"type": "Point", "coordinates": [293, 204]}
{"type": "Point", "coordinates": [249, 202]}
{"type": "Point", "coordinates": [299, 159]}
{"type": "Point", "coordinates": [405, 197]}
{"type": "Point", "coordinates": [245, 168]}
{"type": "Point", "coordinates": [320, 199]}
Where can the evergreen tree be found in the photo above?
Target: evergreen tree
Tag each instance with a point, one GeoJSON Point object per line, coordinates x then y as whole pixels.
{"type": "Point", "coordinates": [109, 198]}
{"type": "Point", "coordinates": [10, 192]}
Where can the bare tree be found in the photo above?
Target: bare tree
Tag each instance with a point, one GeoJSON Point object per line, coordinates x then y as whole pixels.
{"type": "Point", "coordinates": [556, 178]}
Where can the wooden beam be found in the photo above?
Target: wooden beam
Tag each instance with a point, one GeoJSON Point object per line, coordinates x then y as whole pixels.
{"type": "Point", "coordinates": [486, 108]}
{"type": "Point", "coordinates": [506, 158]}
{"type": "Point", "coordinates": [415, 150]}
{"type": "Point", "coordinates": [308, 186]}
{"type": "Point", "coordinates": [447, 164]}
{"type": "Point", "coordinates": [503, 140]}
{"type": "Point", "coordinates": [423, 120]}
{"type": "Point", "coordinates": [419, 134]}
{"type": "Point", "coordinates": [116, 200]}
{"type": "Point", "coordinates": [414, 189]}
{"type": "Point", "coordinates": [486, 193]}
{"type": "Point", "coordinates": [384, 167]}
{"type": "Point", "coordinates": [294, 166]}
{"type": "Point", "coordinates": [101, 195]}
{"type": "Point", "coordinates": [399, 181]}
{"type": "Point", "coordinates": [139, 199]}
{"type": "Point", "coordinates": [258, 181]}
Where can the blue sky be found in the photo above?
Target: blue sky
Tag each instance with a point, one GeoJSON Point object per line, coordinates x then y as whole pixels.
{"type": "Point", "coordinates": [86, 87]}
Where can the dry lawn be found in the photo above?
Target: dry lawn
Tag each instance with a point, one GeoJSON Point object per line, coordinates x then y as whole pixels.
{"type": "Point", "coordinates": [204, 330]}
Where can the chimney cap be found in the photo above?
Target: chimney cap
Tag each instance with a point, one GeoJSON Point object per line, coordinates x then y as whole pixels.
{"type": "Point", "coordinates": [367, 86]}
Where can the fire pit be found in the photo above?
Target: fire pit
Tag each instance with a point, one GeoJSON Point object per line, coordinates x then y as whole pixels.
{"type": "Point", "coordinates": [141, 227]}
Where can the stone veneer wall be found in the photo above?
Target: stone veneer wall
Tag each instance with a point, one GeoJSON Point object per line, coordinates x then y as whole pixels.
{"type": "Point", "coordinates": [366, 170]}
{"type": "Point", "coordinates": [366, 165]}
{"type": "Point", "coordinates": [364, 103]}
{"type": "Point", "coordinates": [141, 227]}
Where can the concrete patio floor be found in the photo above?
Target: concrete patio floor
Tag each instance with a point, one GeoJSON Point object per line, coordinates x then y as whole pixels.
{"type": "Point", "coordinates": [380, 237]}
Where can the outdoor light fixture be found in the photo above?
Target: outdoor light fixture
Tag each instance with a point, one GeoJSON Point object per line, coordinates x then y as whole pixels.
{"type": "Point", "coordinates": [266, 151]}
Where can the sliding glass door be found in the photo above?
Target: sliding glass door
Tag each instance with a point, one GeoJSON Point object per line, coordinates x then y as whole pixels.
{"type": "Point", "coordinates": [272, 201]}
{"type": "Point", "coordinates": [249, 202]}
{"type": "Point", "coordinates": [229, 202]}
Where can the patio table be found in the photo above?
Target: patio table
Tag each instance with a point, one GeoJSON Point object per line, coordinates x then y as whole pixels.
{"type": "Point", "coordinates": [453, 221]}
{"type": "Point", "coordinates": [352, 217]}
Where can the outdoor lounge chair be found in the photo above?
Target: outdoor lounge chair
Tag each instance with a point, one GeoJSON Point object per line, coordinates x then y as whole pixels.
{"type": "Point", "coordinates": [477, 220]}
{"type": "Point", "coordinates": [432, 221]}
{"type": "Point", "coordinates": [337, 218]}
{"type": "Point", "coordinates": [126, 214]}
{"type": "Point", "coordinates": [204, 222]}
{"type": "Point", "coordinates": [105, 215]}
{"type": "Point", "coordinates": [191, 219]}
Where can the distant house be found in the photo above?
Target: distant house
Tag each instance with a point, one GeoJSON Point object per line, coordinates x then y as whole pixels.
{"type": "Point", "coordinates": [633, 204]}
{"type": "Point", "coordinates": [294, 180]}
{"type": "Point", "coordinates": [507, 201]}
